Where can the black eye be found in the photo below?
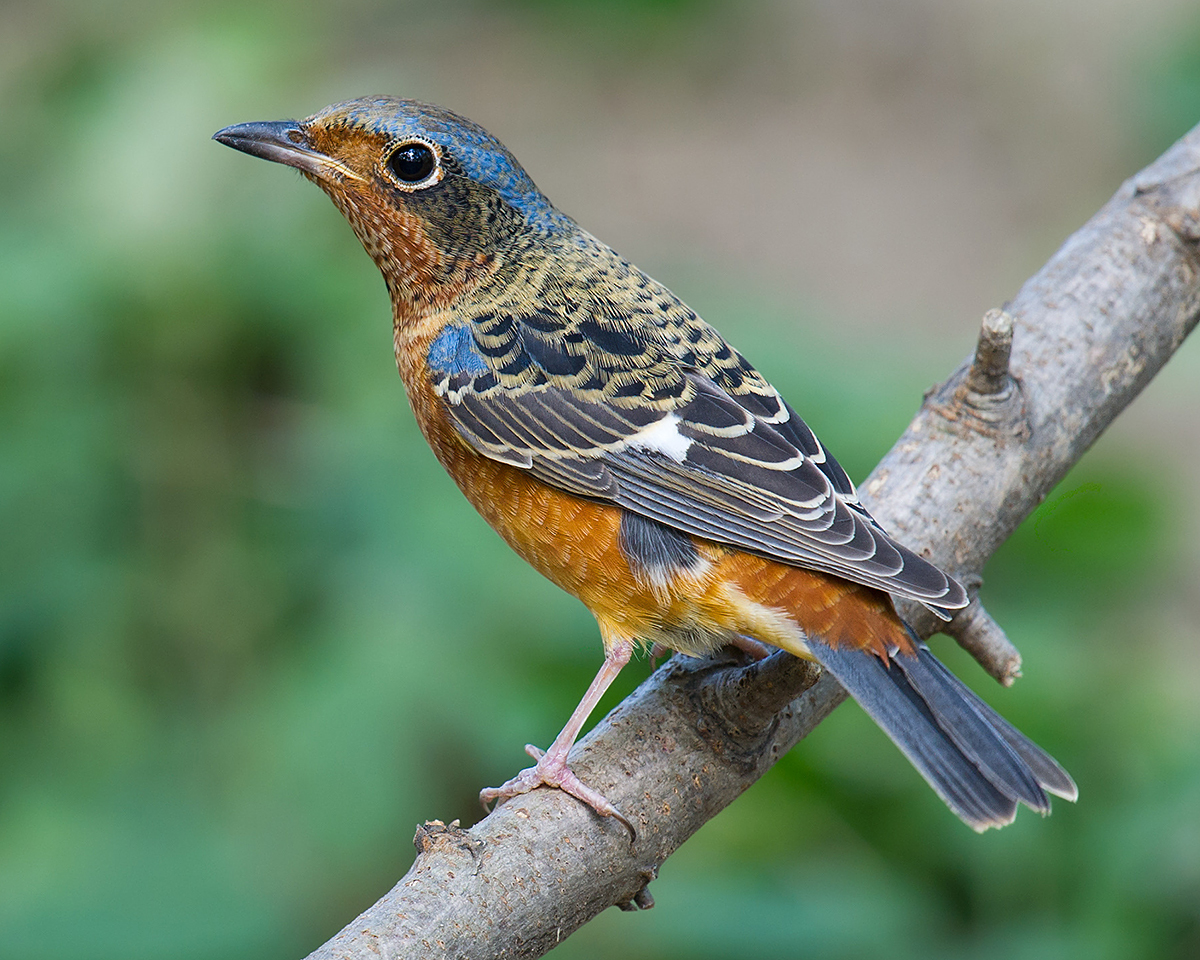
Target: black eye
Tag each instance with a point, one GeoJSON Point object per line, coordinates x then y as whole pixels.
{"type": "Point", "coordinates": [412, 162]}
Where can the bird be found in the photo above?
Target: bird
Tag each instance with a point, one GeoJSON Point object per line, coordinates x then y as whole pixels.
{"type": "Point", "coordinates": [631, 455]}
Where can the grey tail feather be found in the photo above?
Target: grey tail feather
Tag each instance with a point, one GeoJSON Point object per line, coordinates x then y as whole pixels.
{"type": "Point", "coordinates": [976, 761]}
{"type": "Point", "coordinates": [1052, 778]}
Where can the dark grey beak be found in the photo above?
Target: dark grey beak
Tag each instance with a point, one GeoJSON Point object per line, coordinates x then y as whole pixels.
{"type": "Point", "coordinates": [277, 140]}
{"type": "Point", "coordinates": [283, 141]}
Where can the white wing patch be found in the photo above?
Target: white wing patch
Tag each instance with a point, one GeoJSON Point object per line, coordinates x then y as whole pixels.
{"type": "Point", "coordinates": [662, 436]}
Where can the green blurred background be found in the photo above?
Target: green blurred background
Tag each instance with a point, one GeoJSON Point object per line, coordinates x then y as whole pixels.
{"type": "Point", "coordinates": [250, 635]}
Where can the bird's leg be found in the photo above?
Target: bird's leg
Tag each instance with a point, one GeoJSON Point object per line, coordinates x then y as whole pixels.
{"type": "Point", "coordinates": [551, 768]}
{"type": "Point", "coordinates": [755, 649]}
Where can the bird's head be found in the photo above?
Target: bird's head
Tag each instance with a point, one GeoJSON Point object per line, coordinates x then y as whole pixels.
{"type": "Point", "coordinates": [435, 199]}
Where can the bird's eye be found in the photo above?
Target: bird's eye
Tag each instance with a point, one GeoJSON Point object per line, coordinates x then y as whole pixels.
{"type": "Point", "coordinates": [411, 162]}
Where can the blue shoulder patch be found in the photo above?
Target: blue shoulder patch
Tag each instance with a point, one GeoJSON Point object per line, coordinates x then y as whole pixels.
{"type": "Point", "coordinates": [453, 352]}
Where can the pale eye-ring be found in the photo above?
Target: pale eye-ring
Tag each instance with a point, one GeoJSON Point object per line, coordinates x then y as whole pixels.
{"type": "Point", "coordinates": [412, 163]}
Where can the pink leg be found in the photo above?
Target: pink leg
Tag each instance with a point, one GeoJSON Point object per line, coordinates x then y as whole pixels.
{"type": "Point", "coordinates": [551, 769]}
{"type": "Point", "coordinates": [755, 649]}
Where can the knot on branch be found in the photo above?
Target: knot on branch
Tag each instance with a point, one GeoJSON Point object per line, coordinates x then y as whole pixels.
{"type": "Point", "coordinates": [973, 629]}
{"type": "Point", "coordinates": [987, 399]}
{"type": "Point", "coordinates": [988, 376]}
{"type": "Point", "coordinates": [433, 836]}
{"type": "Point", "coordinates": [1172, 201]}
{"type": "Point", "coordinates": [985, 640]}
{"type": "Point", "coordinates": [738, 705]}
{"type": "Point", "coordinates": [643, 899]}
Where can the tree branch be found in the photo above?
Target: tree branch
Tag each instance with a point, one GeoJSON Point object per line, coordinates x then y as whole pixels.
{"type": "Point", "coordinates": [1081, 339]}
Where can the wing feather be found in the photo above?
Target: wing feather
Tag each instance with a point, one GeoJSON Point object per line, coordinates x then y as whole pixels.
{"type": "Point", "coordinates": [671, 423]}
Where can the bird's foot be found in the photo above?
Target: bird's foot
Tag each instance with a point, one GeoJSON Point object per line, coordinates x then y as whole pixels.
{"type": "Point", "coordinates": [551, 770]}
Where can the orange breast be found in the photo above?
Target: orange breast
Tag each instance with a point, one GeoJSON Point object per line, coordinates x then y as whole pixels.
{"type": "Point", "coordinates": [573, 542]}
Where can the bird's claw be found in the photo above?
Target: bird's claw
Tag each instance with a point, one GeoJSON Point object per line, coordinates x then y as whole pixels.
{"type": "Point", "coordinates": [552, 771]}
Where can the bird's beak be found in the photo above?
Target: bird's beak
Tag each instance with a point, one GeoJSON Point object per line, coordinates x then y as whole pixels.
{"type": "Point", "coordinates": [284, 141]}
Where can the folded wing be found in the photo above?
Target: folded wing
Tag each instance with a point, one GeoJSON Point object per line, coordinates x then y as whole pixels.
{"type": "Point", "coordinates": [696, 440]}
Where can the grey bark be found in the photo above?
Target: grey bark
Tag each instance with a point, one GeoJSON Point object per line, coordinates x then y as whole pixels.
{"type": "Point", "coordinates": [1081, 339]}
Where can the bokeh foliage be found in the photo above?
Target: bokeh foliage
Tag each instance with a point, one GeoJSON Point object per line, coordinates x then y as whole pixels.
{"type": "Point", "coordinates": [250, 635]}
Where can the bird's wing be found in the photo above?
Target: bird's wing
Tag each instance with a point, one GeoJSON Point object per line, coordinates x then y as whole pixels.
{"type": "Point", "coordinates": [666, 420]}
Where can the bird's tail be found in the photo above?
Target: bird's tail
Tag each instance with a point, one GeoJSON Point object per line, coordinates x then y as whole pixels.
{"type": "Point", "coordinates": [978, 762]}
